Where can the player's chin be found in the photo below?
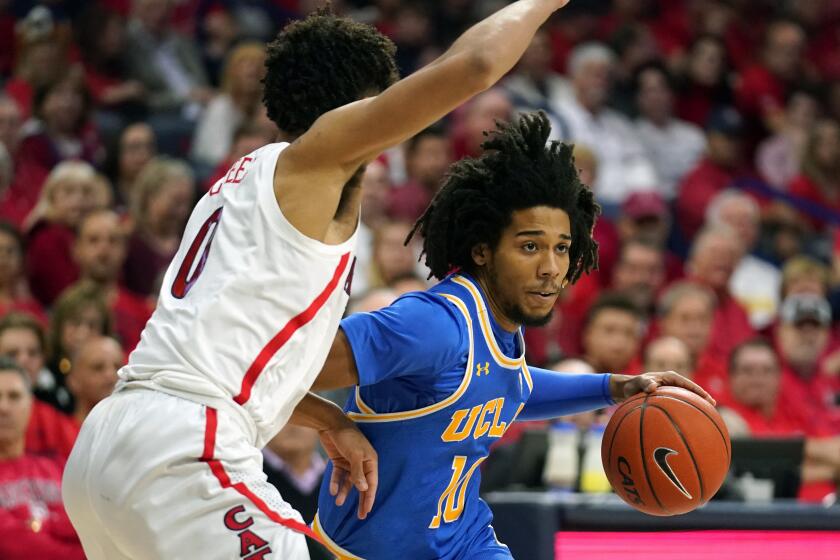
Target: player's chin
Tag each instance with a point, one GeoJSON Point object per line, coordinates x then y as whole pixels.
{"type": "Point", "coordinates": [536, 317]}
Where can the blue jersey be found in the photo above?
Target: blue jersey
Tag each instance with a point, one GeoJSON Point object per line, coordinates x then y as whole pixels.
{"type": "Point", "coordinates": [427, 505]}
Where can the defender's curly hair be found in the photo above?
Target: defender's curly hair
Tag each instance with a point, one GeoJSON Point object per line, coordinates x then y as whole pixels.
{"type": "Point", "coordinates": [321, 63]}
{"type": "Point", "coordinates": [517, 171]}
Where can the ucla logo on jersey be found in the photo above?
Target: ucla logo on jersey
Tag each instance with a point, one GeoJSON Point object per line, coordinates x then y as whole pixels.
{"type": "Point", "coordinates": [476, 421]}
{"type": "Point", "coordinates": [482, 369]}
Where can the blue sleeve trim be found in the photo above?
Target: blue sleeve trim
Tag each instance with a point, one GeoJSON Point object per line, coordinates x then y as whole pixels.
{"type": "Point", "coordinates": [559, 394]}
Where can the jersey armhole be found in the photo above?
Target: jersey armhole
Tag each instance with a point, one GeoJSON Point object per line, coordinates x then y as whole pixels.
{"type": "Point", "coordinates": [367, 413]}
{"type": "Point", "coordinates": [270, 209]}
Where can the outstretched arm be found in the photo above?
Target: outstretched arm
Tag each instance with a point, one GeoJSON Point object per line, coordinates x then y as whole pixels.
{"type": "Point", "coordinates": [558, 394]}
{"type": "Point", "coordinates": [340, 141]}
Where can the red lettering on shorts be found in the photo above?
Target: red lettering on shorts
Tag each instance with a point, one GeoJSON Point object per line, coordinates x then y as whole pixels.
{"type": "Point", "coordinates": [235, 525]}
{"type": "Point", "coordinates": [251, 545]}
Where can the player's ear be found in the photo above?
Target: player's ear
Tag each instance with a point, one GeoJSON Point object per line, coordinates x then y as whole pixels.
{"type": "Point", "coordinates": [480, 254]}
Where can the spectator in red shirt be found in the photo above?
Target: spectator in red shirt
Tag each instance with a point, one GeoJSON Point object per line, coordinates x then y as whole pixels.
{"type": "Point", "coordinates": [62, 128]}
{"type": "Point", "coordinates": [819, 180]}
{"type": "Point", "coordinates": [100, 251]}
{"type": "Point", "coordinates": [803, 340]}
{"type": "Point", "coordinates": [645, 215]}
{"type": "Point", "coordinates": [93, 374]}
{"type": "Point", "coordinates": [22, 338]}
{"type": "Point", "coordinates": [17, 197]}
{"type": "Point", "coordinates": [763, 87]}
{"type": "Point", "coordinates": [427, 157]}
{"type": "Point", "coordinates": [135, 148]}
{"type": "Point", "coordinates": [71, 190]}
{"type": "Point", "coordinates": [612, 335]}
{"type": "Point", "coordinates": [686, 311]}
{"type": "Point", "coordinates": [162, 198]}
{"type": "Point", "coordinates": [33, 523]}
{"type": "Point", "coordinates": [724, 162]}
{"type": "Point", "coordinates": [703, 83]}
{"type": "Point", "coordinates": [80, 313]}
{"type": "Point", "coordinates": [714, 255]}
{"type": "Point", "coordinates": [755, 408]}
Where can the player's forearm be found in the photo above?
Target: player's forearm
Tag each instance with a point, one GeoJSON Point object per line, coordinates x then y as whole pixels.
{"type": "Point", "coordinates": [497, 42]}
{"type": "Point", "coordinates": [558, 394]}
{"type": "Point", "coordinates": [318, 413]}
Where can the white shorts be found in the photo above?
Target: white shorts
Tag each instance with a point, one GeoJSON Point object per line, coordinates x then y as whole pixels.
{"type": "Point", "coordinates": [153, 476]}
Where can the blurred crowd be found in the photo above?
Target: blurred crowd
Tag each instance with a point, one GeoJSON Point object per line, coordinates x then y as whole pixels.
{"type": "Point", "coordinates": [709, 131]}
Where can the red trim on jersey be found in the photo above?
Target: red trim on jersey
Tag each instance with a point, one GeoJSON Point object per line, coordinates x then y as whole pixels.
{"type": "Point", "coordinates": [219, 472]}
{"type": "Point", "coordinates": [286, 333]}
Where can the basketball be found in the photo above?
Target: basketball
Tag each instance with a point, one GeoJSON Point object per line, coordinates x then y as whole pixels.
{"type": "Point", "coordinates": [666, 452]}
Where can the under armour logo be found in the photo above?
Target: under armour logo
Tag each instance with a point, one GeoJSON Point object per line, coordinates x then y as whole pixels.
{"type": "Point", "coordinates": [660, 455]}
{"type": "Point", "coordinates": [482, 368]}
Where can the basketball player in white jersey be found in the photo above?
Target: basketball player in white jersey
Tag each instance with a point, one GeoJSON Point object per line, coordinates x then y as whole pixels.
{"type": "Point", "coordinates": [169, 467]}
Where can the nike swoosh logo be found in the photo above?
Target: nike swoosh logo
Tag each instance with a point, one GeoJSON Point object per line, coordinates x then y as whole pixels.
{"type": "Point", "coordinates": [660, 455]}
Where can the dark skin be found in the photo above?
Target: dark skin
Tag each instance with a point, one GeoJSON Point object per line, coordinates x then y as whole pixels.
{"type": "Point", "coordinates": [521, 278]}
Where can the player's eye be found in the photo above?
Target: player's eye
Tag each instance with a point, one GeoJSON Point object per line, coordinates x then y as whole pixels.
{"type": "Point", "coordinates": [529, 246]}
{"type": "Point", "coordinates": [563, 248]}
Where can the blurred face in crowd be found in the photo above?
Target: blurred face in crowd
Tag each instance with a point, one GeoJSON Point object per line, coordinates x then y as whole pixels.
{"type": "Point", "coordinates": [726, 150]}
{"type": "Point", "coordinates": [755, 376]}
{"type": "Point", "coordinates": [592, 83]}
{"type": "Point", "coordinates": [137, 147]}
{"type": "Point", "coordinates": [62, 107]}
{"type": "Point", "coordinates": [99, 249]}
{"type": "Point", "coordinates": [68, 202]}
{"type": "Point", "coordinates": [639, 273]}
{"type": "Point", "coordinates": [111, 41]}
{"type": "Point", "coordinates": [24, 347]}
{"type": "Point", "coordinates": [713, 259]}
{"type": "Point", "coordinates": [248, 74]}
{"type": "Point", "coordinates": [153, 14]}
{"type": "Point", "coordinates": [783, 52]}
{"type": "Point", "coordinates": [523, 274]}
{"type": "Point", "coordinates": [428, 161]}
{"type": "Point", "coordinates": [536, 61]}
{"type": "Point", "coordinates": [802, 110]}
{"type": "Point", "coordinates": [827, 144]}
{"type": "Point", "coordinates": [612, 339]}
{"type": "Point", "coordinates": [742, 215]}
{"type": "Point", "coordinates": [653, 229]}
{"type": "Point", "coordinates": [15, 407]}
{"type": "Point", "coordinates": [87, 322]}
{"type": "Point", "coordinates": [45, 62]}
{"type": "Point", "coordinates": [669, 354]}
{"type": "Point", "coordinates": [375, 188]}
{"type": "Point", "coordinates": [655, 98]}
{"type": "Point", "coordinates": [482, 114]}
{"type": "Point", "coordinates": [801, 344]}
{"type": "Point", "coordinates": [690, 320]}
{"type": "Point", "coordinates": [10, 122]}
{"type": "Point", "coordinates": [94, 371]}
{"type": "Point", "coordinates": [706, 62]}
{"type": "Point", "coordinates": [10, 260]}
{"type": "Point", "coordinates": [391, 257]}
{"type": "Point", "coordinates": [168, 209]}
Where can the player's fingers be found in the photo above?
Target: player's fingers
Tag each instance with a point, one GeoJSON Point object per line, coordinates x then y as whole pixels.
{"type": "Point", "coordinates": [674, 378]}
{"type": "Point", "coordinates": [367, 498]}
{"type": "Point", "coordinates": [336, 479]}
{"type": "Point", "coordinates": [357, 472]}
{"type": "Point", "coordinates": [344, 490]}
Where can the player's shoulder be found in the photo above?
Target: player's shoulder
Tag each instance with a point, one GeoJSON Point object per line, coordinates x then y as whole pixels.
{"type": "Point", "coordinates": [432, 311]}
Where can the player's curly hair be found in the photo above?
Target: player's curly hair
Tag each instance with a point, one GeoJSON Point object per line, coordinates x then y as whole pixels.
{"type": "Point", "coordinates": [517, 171]}
{"type": "Point", "coordinates": [320, 63]}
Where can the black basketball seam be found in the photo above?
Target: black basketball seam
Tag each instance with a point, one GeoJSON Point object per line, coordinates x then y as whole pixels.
{"type": "Point", "coordinates": [642, 451]}
{"type": "Point", "coordinates": [615, 432]}
{"type": "Point", "coordinates": [690, 453]}
{"type": "Point", "coordinates": [704, 413]}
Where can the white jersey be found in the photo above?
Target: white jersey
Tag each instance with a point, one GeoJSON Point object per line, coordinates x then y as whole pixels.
{"type": "Point", "coordinates": [249, 306]}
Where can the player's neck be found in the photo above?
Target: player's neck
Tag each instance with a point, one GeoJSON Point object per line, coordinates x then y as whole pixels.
{"type": "Point", "coordinates": [495, 309]}
{"type": "Point", "coordinates": [11, 450]}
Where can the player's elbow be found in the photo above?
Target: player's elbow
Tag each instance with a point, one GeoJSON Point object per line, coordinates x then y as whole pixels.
{"type": "Point", "coordinates": [480, 71]}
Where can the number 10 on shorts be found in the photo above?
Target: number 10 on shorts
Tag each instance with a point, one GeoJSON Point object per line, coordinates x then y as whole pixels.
{"type": "Point", "coordinates": [455, 492]}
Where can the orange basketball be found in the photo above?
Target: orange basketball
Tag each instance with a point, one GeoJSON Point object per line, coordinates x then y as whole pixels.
{"type": "Point", "coordinates": [667, 452]}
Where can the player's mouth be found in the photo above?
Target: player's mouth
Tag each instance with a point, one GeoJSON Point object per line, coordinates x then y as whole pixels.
{"type": "Point", "coordinates": [544, 296]}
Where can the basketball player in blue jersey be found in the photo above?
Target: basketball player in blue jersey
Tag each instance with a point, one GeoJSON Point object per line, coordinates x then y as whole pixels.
{"type": "Point", "coordinates": [440, 375]}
